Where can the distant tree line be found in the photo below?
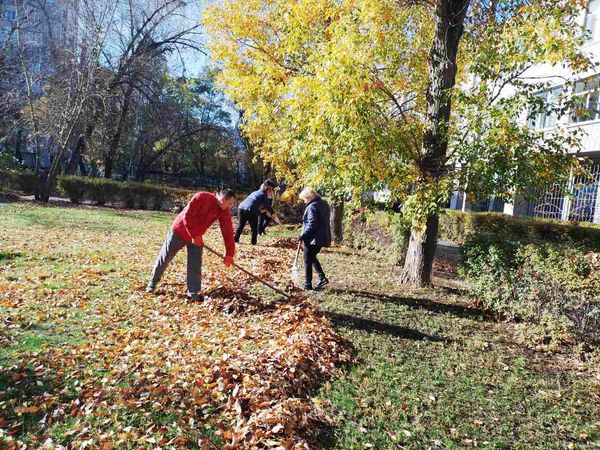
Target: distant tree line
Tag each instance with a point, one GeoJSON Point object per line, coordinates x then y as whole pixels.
{"type": "Point", "coordinates": [87, 87]}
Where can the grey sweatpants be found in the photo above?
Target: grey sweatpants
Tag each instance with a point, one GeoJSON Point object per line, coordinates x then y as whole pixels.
{"type": "Point", "coordinates": [171, 246]}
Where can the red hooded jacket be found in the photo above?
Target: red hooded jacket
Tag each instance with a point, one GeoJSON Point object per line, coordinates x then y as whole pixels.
{"type": "Point", "coordinates": [199, 214]}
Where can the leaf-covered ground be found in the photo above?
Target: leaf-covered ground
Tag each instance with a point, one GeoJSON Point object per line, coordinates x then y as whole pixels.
{"type": "Point", "coordinates": [89, 360]}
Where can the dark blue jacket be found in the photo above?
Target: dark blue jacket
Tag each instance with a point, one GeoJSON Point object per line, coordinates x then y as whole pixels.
{"type": "Point", "coordinates": [316, 229]}
{"type": "Point", "coordinates": [256, 201]}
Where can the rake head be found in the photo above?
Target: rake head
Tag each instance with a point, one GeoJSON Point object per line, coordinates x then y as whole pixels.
{"type": "Point", "coordinates": [294, 275]}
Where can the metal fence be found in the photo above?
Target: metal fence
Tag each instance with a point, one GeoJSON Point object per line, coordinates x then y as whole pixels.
{"type": "Point", "coordinates": [577, 199]}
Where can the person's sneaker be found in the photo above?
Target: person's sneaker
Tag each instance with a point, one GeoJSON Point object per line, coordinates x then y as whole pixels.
{"type": "Point", "coordinates": [150, 288]}
{"type": "Point", "coordinates": [195, 298]}
{"type": "Point", "coordinates": [321, 283]}
{"type": "Point", "coordinates": [307, 287]}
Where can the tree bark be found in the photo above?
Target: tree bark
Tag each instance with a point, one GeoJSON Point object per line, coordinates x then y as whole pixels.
{"type": "Point", "coordinates": [448, 29]}
{"type": "Point", "coordinates": [140, 170]}
{"type": "Point", "coordinates": [18, 144]}
{"type": "Point", "coordinates": [418, 266]}
{"type": "Point", "coordinates": [76, 157]}
{"type": "Point", "coordinates": [337, 220]}
{"type": "Point", "coordinates": [50, 183]}
{"type": "Point", "coordinates": [82, 168]}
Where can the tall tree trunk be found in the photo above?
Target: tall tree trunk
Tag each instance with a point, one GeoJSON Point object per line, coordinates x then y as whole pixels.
{"type": "Point", "coordinates": [75, 156]}
{"type": "Point", "coordinates": [75, 160]}
{"type": "Point", "coordinates": [82, 168]}
{"type": "Point", "coordinates": [114, 143]}
{"type": "Point", "coordinates": [18, 144]}
{"type": "Point", "coordinates": [418, 266]}
{"type": "Point", "coordinates": [337, 220]}
{"type": "Point", "coordinates": [64, 138]}
{"type": "Point", "coordinates": [448, 29]}
{"type": "Point", "coordinates": [140, 170]}
{"type": "Point", "coordinates": [50, 183]}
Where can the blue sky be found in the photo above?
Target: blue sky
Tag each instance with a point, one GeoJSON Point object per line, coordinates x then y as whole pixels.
{"type": "Point", "coordinates": [193, 61]}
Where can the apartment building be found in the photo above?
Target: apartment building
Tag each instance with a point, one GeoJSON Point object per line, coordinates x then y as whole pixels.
{"type": "Point", "coordinates": [29, 30]}
{"type": "Point", "coordinates": [582, 199]}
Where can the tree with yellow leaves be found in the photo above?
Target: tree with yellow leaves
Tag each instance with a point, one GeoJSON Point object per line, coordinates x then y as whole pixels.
{"type": "Point", "coordinates": [356, 95]}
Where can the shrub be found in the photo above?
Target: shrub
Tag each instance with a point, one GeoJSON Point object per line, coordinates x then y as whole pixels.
{"type": "Point", "coordinates": [72, 187]}
{"type": "Point", "coordinates": [148, 196]}
{"type": "Point", "coordinates": [102, 190]}
{"type": "Point", "coordinates": [8, 160]}
{"type": "Point", "coordinates": [18, 181]}
{"type": "Point", "coordinates": [180, 198]}
{"type": "Point", "coordinates": [380, 231]}
{"type": "Point", "coordinates": [554, 286]}
{"type": "Point", "coordinates": [457, 226]}
{"type": "Point", "coordinates": [131, 194]}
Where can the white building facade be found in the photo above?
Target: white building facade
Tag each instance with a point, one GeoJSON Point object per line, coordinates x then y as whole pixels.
{"type": "Point", "coordinates": [582, 203]}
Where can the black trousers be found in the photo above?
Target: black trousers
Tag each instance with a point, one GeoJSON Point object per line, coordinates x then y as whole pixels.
{"type": "Point", "coordinates": [244, 217]}
{"type": "Point", "coordinates": [310, 261]}
{"type": "Point", "coordinates": [263, 223]}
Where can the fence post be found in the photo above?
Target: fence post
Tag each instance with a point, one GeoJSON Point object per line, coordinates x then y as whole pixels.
{"type": "Point", "coordinates": [566, 209]}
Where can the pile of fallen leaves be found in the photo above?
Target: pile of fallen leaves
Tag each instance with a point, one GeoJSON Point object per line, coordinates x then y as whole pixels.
{"type": "Point", "coordinates": [193, 361]}
{"type": "Point", "coordinates": [286, 242]}
{"type": "Point", "coordinates": [237, 371]}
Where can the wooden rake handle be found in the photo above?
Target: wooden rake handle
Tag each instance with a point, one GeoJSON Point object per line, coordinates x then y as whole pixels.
{"type": "Point", "coordinates": [251, 275]}
{"type": "Point", "coordinates": [297, 253]}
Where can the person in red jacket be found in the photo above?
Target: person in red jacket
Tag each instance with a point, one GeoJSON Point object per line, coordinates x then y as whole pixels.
{"type": "Point", "coordinates": [187, 231]}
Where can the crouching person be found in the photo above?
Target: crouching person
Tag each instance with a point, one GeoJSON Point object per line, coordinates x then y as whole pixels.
{"type": "Point", "coordinates": [187, 230]}
{"type": "Point", "coordinates": [316, 234]}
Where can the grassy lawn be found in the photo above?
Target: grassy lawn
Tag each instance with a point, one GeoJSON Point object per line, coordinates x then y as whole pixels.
{"type": "Point", "coordinates": [87, 358]}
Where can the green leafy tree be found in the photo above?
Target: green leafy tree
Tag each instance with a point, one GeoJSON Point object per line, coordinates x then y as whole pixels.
{"type": "Point", "coordinates": [356, 95]}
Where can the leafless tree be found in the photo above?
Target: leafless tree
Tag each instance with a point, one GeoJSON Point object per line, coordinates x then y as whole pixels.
{"type": "Point", "coordinates": [73, 88]}
{"type": "Point", "coordinates": [144, 34]}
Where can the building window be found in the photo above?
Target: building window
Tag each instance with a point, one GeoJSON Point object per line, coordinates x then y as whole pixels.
{"type": "Point", "coordinates": [592, 20]}
{"type": "Point", "coordinates": [589, 104]}
{"type": "Point", "coordinates": [10, 15]}
{"type": "Point", "coordinates": [547, 118]}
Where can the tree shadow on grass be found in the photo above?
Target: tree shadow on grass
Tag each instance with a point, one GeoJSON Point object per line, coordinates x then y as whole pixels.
{"type": "Point", "coordinates": [374, 326]}
{"type": "Point", "coordinates": [23, 391]}
{"type": "Point", "coordinates": [465, 312]}
{"type": "Point", "coordinates": [8, 256]}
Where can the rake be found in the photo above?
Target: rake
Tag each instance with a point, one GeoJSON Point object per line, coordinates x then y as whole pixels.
{"type": "Point", "coordinates": [294, 274]}
{"type": "Point", "coordinates": [250, 274]}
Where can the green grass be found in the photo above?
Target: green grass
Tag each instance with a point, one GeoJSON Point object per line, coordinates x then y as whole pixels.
{"type": "Point", "coordinates": [432, 371]}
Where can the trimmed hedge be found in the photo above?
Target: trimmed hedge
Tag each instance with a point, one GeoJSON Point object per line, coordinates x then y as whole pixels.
{"type": "Point", "coordinates": [130, 194]}
{"type": "Point", "coordinates": [457, 226]}
{"type": "Point", "coordinates": [18, 181]}
{"type": "Point", "coordinates": [374, 229]}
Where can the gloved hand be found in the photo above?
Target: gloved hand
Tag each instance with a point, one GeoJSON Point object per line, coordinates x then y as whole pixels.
{"type": "Point", "coordinates": [228, 261]}
{"type": "Point", "coordinates": [198, 241]}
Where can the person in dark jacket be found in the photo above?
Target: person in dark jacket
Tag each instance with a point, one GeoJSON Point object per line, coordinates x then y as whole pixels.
{"type": "Point", "coordinates": [265, 218]}
{"type": "Point", "coordinates": [251, 207]}
{"type": "Point", "coordinates": [316, 234]}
